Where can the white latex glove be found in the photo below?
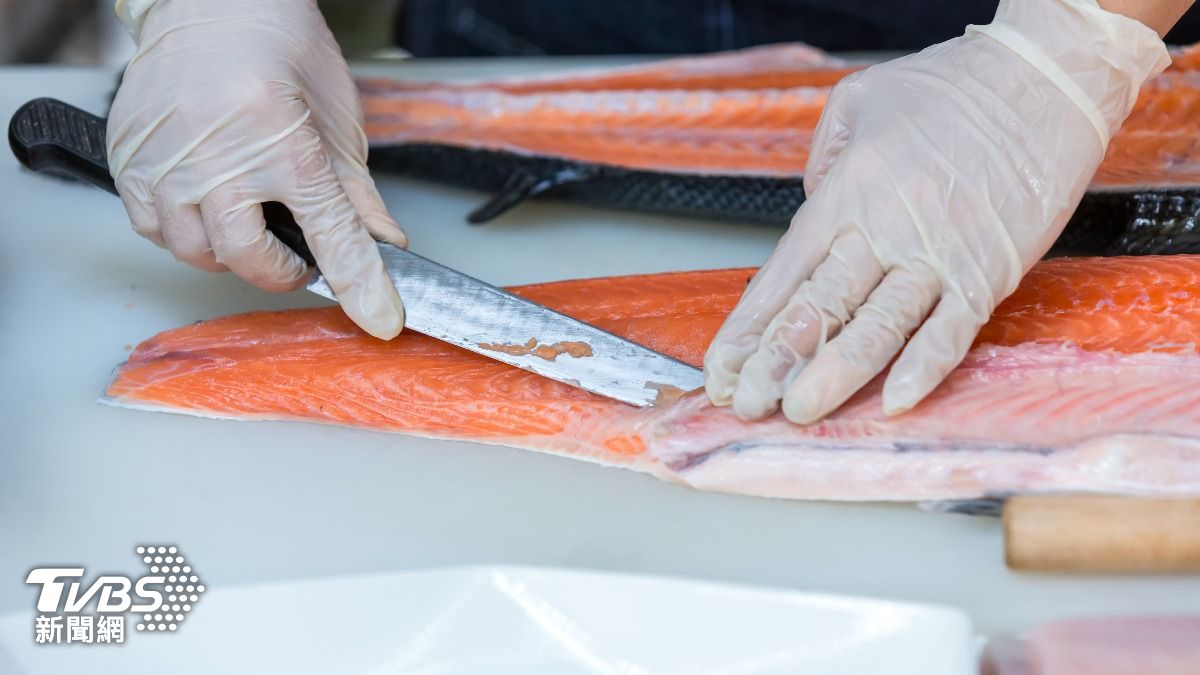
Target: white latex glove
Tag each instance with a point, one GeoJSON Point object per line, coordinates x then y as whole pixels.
{"type": "Point", "coordinates": [935, 181]}
{"type": "Point", "coordinates": [232, 103]}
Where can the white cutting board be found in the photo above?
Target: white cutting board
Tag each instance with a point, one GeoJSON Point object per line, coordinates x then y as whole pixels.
{"type": "Point", "coordinates": [83, 483]}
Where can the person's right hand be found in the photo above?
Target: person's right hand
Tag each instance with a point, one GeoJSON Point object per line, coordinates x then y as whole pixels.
{"type": "Point", "coordinates": [230, 104]}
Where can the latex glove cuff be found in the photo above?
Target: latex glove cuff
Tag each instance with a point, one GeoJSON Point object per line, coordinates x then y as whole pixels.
{"type": "Point", "coordinates": [132, 14]}
{"type": "Point", "coordinates": [1098, 59]}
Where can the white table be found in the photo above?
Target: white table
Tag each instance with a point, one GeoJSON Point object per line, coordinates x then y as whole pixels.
{"type": "Point", "coordinates": [84, 483]}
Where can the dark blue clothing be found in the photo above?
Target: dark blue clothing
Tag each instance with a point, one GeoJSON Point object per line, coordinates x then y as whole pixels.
{"type": "Point", "coordinates": [566, 27]}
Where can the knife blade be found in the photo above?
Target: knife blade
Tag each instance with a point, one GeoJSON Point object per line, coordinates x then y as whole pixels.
{"type": "Point", "coordinates": [455, 308]}
{"type": "Point", "coordinates": [54, 137]}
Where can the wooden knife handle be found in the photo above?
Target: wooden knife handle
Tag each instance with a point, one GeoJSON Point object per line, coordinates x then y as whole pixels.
{"type": "Point", "coordinates": [1092, 533]}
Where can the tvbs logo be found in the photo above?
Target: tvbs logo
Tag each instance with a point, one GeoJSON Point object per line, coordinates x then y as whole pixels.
{"type": "Point", "coordinates": [162, 598]}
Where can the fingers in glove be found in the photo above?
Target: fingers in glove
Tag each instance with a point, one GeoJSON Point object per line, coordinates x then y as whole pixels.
{"type": "Point", "coordinates": [864, 347]}
{"type": "Point", "coordinates": [369, 205]}
{"type": "Point", "coordinates": [184, 234]}
{"type": "Point", "coordinates": [142, 215]}
{"type": "Point", "coordinates": [795, 257]}
{"type": "Point", "coordinates": [240, 241]}
{"type": "Point", "coordinates": [338, 118]}
{"type": "Point", "coordinates": [341, 243]}
{"type": "Point", "coordinates": [936, 349]}
{"type": "Point", "coordinates": [815, 313]}
{"type": "Point", "coordinates": [830, 136]}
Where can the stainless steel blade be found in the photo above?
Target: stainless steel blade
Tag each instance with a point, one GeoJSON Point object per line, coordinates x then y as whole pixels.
{"type": "Point", "coordinates": [471, 314]}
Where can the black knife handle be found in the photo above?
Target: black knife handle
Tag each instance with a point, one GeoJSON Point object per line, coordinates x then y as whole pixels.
{"type": "Point", "coordinates": [56, 138]}
{"type": "Point", "coordinates": [52, 137]}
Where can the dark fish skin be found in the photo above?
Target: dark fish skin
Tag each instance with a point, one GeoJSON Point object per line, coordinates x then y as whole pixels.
{"type": "Point", "coordinates": [1162, 222]}
{"type": "Point", "coordinates": [1137, 221]}
{"type": "Point", "coordinates": [513, 178]}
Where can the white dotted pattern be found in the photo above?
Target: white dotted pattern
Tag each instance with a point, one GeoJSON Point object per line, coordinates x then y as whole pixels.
{"type": "Point", "coordinates": [183, 586]}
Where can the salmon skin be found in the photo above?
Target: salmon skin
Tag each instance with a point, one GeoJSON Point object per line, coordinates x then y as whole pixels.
{"type": "Point", "coordinates": [1110, 222]}
{"type": "Point", "coordinates": [727, 137]}
{"type": "Point", "coordinates": [1086, 379]}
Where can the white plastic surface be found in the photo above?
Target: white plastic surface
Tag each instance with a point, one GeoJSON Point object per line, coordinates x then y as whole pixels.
{"type": "Point", "coordinates": [497, 621]}
{"type": "Point", "coordinates": [253, 502]}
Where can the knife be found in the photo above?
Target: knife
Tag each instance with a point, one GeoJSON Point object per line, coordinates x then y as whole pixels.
{"type": "Point", "coordinates": [1091, 533]}
{"type": "Point", "coordinates": [57, 138]}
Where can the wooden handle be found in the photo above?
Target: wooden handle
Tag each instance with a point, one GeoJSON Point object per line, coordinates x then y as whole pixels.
{"type": "Point", "coordinates": [1091, 533]}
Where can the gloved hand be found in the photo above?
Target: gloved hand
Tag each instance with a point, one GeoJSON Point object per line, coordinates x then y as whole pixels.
{"type": "Point", "coordinates": [230, 104]}
{"type": "Point", "coordinates": [935, 182]}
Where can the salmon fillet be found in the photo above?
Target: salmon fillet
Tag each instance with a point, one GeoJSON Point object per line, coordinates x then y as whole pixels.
{"type": "Point", "coordinates": [1087, 378]}
{"type": "Point", "coordinates": [749, 112]}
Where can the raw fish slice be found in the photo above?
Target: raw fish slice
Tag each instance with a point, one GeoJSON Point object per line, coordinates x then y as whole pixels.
{"type": "Point", "coordinates": [727, 137]}
{"type": "Point", "coordinates": [717, 114]}
{"type": "Point", "coordinates": [1166, 645]}
{"type": "Point", "coordinates": [1086, 379]}
{"type": "Point", "coordinates": [755, 132]}
{"type": "Point", "coordinates": [1028, 418]}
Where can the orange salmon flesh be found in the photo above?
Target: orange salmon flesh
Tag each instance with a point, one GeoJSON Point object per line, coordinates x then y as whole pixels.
{"type": "Point", "coordinates": [1086, 378]}
{"type": "Point", "coordinates": [749, 112]}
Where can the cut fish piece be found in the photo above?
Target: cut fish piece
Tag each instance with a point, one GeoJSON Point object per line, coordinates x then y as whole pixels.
{"type": "Point", "coordinates": [1162, 645]}
{"type": "Point", "coordinates": [1086, 379]}
{"type": "Point", "coordinates": [727, 136]}
{"type": "Point", "coordinates": [707, 110]}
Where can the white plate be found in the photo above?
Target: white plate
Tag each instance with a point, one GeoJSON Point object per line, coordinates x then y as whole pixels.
{"type": "Point", "coordinates": [519, 620]}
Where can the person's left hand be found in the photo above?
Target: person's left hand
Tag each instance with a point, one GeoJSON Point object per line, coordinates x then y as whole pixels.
{"type": "Point", "coordinates": [935, 182]}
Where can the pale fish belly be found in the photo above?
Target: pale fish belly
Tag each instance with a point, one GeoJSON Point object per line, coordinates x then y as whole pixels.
{"type": "Point", "coordinates": [1028, 418]}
